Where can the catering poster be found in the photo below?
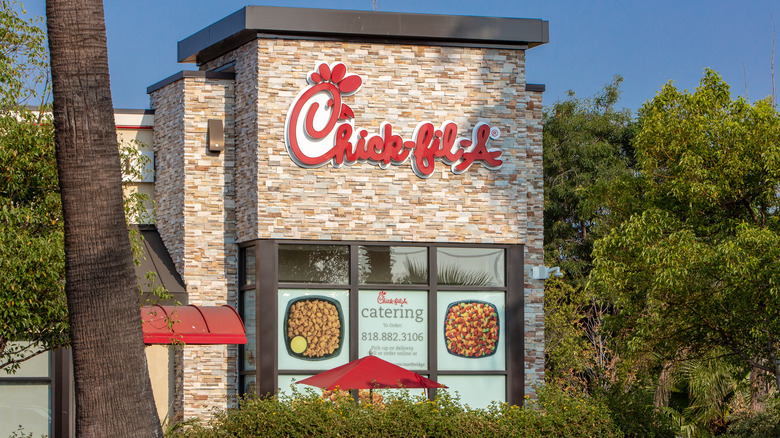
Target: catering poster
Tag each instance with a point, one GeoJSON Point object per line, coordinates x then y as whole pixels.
{"type": "Point", "coordinates": [313, 329]}
{"type": "Point", "coordinates": [393, 325]}
{"type": "Point", "coordinates": [471, 332]}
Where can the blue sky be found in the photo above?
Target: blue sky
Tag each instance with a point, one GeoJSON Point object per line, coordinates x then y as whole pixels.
{"type": "Point", "coordinates": [647, 42]}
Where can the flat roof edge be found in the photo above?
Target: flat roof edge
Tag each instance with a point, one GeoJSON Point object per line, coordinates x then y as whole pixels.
{"type": "Point", "coordinates": [356, 25]}
{"type": "Point", "coordinates": [189, 74]}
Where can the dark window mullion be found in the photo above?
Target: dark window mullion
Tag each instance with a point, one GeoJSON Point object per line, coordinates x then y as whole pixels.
{"type": "Point", "coordinates": [266, 298]}
{"type": "Point", "coordinates": [311, 286]}
{"type": "Point", "coordinates": [433, 279]}
{"type": "Point", "coordinates": [515, 306]}
{"type": "Point", "coordinates": [353, 302]}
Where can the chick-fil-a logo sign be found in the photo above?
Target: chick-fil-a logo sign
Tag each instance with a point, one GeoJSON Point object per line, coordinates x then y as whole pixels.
{"type": "Point", "coordinates": [320, 129]}
{"type": "Point", "coordinates": [383, 299]}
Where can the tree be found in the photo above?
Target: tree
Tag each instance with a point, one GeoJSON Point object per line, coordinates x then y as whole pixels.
{"type": "Point", "coordinates": [113, 391]}
{"type": "Point", "coordinates": [697, 270]}
{"type": "Point", "coordinates": [32, 265]}
{"type": "Point", "coordinates": [587, 151]}
{"type": "Point", "coordinates": [33, 312]}
{"type": "Point", "coordinates": [588, 162]}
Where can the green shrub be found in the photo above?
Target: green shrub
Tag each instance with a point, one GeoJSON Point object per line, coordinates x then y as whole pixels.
{"type": "Point", "coordinates": [632, 412]}
{"type": "Point", "coordinates": [554, 414]}
{"type": "Point", "coordinates": [757, 424]}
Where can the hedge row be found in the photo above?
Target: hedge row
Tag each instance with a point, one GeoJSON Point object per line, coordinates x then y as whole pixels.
{"type": "Point", "coordinates": [555, 414]}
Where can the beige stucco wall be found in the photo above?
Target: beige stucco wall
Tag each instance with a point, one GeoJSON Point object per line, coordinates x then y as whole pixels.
{"type": "Point", "coordinates": [159, 359]}
{"type": "Point", "coordinates": [135, 130]}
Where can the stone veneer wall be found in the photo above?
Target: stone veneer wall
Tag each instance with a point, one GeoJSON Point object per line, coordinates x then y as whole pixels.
{"type": "Point", "coordinates": [402, 84]}
{"type": "Point", "coordinates": [196, 219]}
{"type": "Point", "coordinates": [534, 244]}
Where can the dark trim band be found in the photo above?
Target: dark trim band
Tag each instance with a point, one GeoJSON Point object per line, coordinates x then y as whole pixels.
{"type": "Point", "coordinates": [184, 74]}
{"type": "Point", "coordinates": [332, 24]}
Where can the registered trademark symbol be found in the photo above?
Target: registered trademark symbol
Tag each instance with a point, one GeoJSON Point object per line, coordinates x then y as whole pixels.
{"type": "Point", "coordinates": [495, 133]}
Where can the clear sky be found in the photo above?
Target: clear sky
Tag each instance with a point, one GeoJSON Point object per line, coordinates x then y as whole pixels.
{"type": "Point", "coordinates": [647, 42]}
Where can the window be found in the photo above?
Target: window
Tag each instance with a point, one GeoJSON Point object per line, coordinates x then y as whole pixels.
{"type": "Point", "coordinates": [25, 397]}
{"type": "Point", "coordinates": [438, 309]}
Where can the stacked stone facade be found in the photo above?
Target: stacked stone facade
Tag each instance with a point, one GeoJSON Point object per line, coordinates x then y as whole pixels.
{"type": "Point", "coordinates": [253, 190]}
{"type": "Point", "coordinates": [196, 219]}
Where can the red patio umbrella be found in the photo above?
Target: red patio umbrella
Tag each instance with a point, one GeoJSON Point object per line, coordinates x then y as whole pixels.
{"type": "Point", "coordinates": [370, 372]}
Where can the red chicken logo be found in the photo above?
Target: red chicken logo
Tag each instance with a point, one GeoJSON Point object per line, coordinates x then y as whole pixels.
{"type": "Point", "coordinates": [320, 130]}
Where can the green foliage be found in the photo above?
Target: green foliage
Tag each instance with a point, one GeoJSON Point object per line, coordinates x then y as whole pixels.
{"type": "Point", "coordinates": [32, 260]}
{"type": "Point", "coordinates": [697, 269]}
{"type": "Point", "coordinates": [757, 424]}
{"type": "Point", "coordinates": [589, 188]}
{"type": "Point", "coordinates": [588, 159]}
{"type": "Point", "coordinates": [554, 414]}
{"type": "Point", "coordinates": [632, 411]}
{"type": "Point", "coordinates": [568, 354]}
{"type": "Point", "coordinates": [23, 59]}
{"type": "Point", "coordinates": [703, 396]}
{"type": "Point", "coordinates": [33, 308]}
{"type": "Point", "coordinates": [32, 300]}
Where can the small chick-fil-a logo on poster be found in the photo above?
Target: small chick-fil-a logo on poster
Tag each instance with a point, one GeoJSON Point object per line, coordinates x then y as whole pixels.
{"type": "Point", "coordinates": [320, 129]}
{"type": "Point", "coordinates": [383, 299]}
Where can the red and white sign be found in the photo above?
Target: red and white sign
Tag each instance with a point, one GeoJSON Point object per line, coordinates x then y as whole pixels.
{"type": "Point", "coordinates": [320, 129]}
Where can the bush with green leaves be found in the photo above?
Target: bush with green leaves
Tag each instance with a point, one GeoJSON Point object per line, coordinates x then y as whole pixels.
{"type": "Point", "coordinates": [554, 413]}
{"type": "Point", "coordinates": [757, 424]}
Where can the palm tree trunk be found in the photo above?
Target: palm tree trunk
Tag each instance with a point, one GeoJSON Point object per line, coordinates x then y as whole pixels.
{"type": "Point", "coordinates": [113, 391]}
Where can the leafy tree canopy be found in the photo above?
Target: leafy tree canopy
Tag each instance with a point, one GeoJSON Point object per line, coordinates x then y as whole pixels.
{"type": "Point", "coordinates": [587, 152]}
{"type": "Point", "coordinates": [698, 268]}
{"type": "Point", "coordinates": [33, 308]}
{"type": "Point", "coordinates": [32, 300]}
{"type": "Point", "coordinates": [589, 182]}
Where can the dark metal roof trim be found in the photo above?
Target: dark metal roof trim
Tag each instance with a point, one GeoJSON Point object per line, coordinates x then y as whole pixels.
{"type": "Point", "coordinates": [132, 111]}
{"type": "Point", "coordinates": [535, 87]}
{"type": "Point", "coordinates": [245, 24]}
{"type": "Point", "coordinates": [190, 74]}
{"type": "Point", "coordinates": [156, 259]}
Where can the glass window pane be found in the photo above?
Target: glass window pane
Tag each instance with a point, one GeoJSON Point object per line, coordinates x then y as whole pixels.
{"type": "Point", "coordinates": [250, 323]}
{"type": "Point", "coordinates": [313, 329]}
{"type": "Point", "coordinates": [25, 404]}
{"type": "Point", "coordinates": [473, 333]}
{"type": "Point", "coordinates": [248, 385]}
{"type": "Point", "coordinates": [288, 385]}
{"type": "Point", "coordinates": [477, 392]}
{"type": "Point", "coordinates": [470, 266]}
{"type": "Point", "coordinates": [393, 265]}
{"type": "Point", "coordinates": [37, 366]}
{"type": "Point", "coordinates": [324, 264]}
{"type": "Point", "coordinates": [393, 325]}
{"type": "Point", "coordinates": [247, 266]}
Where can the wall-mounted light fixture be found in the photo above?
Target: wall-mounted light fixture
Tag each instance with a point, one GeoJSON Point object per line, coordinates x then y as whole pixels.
{"type": "Point", "coordinates": [543, 272]}
{"type": "Point", "coordinates": [216, 136]}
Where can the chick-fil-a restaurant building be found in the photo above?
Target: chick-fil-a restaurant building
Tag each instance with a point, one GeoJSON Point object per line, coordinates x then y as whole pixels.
{"type": "Point", "coordinates": [354, 183]}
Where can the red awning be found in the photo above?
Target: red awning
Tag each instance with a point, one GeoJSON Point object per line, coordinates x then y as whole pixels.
{"type": "Point", "coordinates": [193, 325]}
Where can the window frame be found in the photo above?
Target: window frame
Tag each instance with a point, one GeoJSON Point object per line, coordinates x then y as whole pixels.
{"type": "Point", "coordinates": [266, 287]}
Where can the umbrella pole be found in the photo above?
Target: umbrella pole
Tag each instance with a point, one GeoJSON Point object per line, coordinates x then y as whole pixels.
{"type": "Point", "coordinates": [356, 396]}
{"type": "Point", "coordinates": [371, 396]}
